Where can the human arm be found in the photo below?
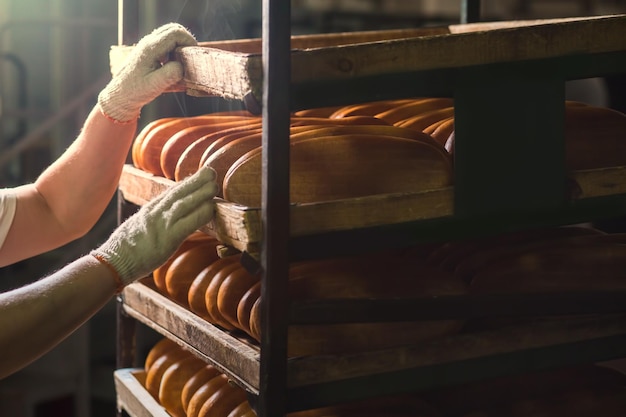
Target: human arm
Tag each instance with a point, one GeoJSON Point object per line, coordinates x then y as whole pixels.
{"type": "Point", "coordinates": [36, 317]}
{"type": "Point", "coordinates": [72, 193]}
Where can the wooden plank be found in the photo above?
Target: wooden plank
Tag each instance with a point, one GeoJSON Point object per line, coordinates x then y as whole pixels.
{"type": "Point", "coordinates": [537, 334]}
{"type": "Point", "coordinates": [234, 225]}
{"type": "Point", "coordinates": [132, 395]}
{"type": "Point", "coordinates": [240, 227]}
{"type": "Point", "coordinates": [214, 345]}
{"type": "Point", "coordinates": [459, 50]}
{"type": "Point", "coordinates": [230, 354]}
{"type": "Point", "coordinates": [233, 69]}
{"type": "Point", "coordinates": [599, 182]}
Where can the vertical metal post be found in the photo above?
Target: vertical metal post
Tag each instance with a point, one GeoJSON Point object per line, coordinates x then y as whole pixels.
{"type": "Point", "coordinates": [470, 11]}
{"type": "Point", "coordinates": [276, 32]}
{"type": "Point", "coordinates": [126, 326]}
{"type": "Point", "coordinates": [518, 138]}
{"type": "Point", "coordinates": [127, 22]}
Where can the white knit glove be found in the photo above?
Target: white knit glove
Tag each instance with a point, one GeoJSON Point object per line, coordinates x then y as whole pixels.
{"type": "Point", "coordinates": [146, 73]}
{"type": "Point", "coordinates": [150, 236]}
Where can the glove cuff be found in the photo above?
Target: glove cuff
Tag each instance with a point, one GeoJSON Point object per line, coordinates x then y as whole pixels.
{"type": "Point", "coordinates": [115, 111]}
{"type": "Point", "coordinates": [119, 284]}
{"type": "Point", "coordinates": [114, 120]}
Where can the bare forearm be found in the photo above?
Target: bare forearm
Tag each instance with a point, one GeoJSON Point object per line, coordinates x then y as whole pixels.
{"type": "Point", "coordinates": [35, 318]}
{"type": "Point", "coordinates": [70, 196]}
{"type": "Point", "coordinates": [80, 184]}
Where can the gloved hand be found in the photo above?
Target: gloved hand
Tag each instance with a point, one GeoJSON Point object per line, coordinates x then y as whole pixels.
{"type": "Point", "coordinates": [146, 73]}
{"type": "Point", "coordinates": [150, 236]}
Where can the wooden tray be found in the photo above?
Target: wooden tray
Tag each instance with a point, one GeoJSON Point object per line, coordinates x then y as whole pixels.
{"type": "Point", "coordinates": [233, 69]}
{"type": "Point", "coordinates": [132, 395]}
{"type": "Point", "coordinates": [240, 227]}
{"type": "Point", "coordinates": [240, 360]}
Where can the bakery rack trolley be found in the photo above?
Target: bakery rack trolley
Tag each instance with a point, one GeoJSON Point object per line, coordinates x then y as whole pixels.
{"type": "Point", "coordinates": [522, 95]}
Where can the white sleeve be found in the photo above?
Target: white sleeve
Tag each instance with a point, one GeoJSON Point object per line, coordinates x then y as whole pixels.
{"type": "Point", "coordinates": [8, 202]}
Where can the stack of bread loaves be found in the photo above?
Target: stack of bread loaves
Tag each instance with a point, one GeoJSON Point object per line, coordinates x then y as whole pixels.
{"type": "Point", "coordinates": [224, 293]}
{"type": "Point", "coordinates": [379, 147]}
{"type": "Point", "coordinates": [186, 386]}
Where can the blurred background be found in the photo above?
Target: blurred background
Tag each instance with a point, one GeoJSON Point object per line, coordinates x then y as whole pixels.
{"type": "Point", "coordinates": [53, 62]}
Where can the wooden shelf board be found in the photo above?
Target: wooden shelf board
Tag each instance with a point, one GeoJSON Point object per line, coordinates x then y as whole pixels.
{"type": "Point", "coordinates": [233, 69]}
{"type": "Point", "coordinates": [240, 226]}
{"type": "Point", "coordinates": [132, 395]}
{"type": "Point", "coordinates": [240, 360]}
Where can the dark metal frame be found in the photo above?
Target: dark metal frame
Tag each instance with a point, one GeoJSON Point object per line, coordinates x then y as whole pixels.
{"type": "Point", "coordinates": [515, 199]}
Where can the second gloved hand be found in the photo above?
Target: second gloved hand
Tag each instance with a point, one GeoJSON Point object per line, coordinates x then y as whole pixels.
{"type": "Point", "coordinates": [150, 236]}
{"type": "Point", "coordinates": [146, 73]}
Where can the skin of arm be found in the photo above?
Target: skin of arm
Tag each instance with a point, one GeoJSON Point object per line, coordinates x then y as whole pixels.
{"type": "Point", "coordinates": [69, 197]}
{"type": "Point", "coordinates": [72, 193]}
{"type": "Point", "coordinates": [36, 317]}
{"type": "Point", "coordinates": [48, 310]}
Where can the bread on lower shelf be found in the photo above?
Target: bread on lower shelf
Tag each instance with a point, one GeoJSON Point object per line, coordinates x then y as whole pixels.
{"type": "Point", "coordinates": [225, 294]}
{"type": "Point", "coordinates": [586, 390]}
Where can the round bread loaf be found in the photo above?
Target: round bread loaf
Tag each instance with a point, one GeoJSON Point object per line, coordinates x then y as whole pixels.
{"type": "Point", "coordinates": [223, 401]}
{"type": "Point", "coordinates": [361, 278]}
{"type": "Point", "coordinates": [203, 393]}
{"type": "Point", "coordinates": [155, 139]}
{"type": "Point", "coordinates": [189, 161]}
{"type": "Point", "coordinates": [232, 290]}
{"type": "Point", "coordinates": [211, 295]}
{"type": "Point", "coordinates": [197, 290]}
{"type": "Point", "coordinates": [422, 121]}
{"type": "Point", "coordinates": [430, 129]}
{"type": "Point", "coordinates": [179, 141]}
{"type": "Point", "coordinates": [184, 269]}
{"type": "Point", "coordinates": [201, 377]}
{"type": "Point", "coordinates": [595, 137]}
{"type": "Point", "coordinates": [244, 307]}
{"type": "Point", "coordinates": [158, 350]}
{"type": "Point", "coordinates": [382, 130]}
{"type": "Point", "coordinates": [220, 143]}
{"type": "Point", "coordinates": [243, 409]}
{"type": "Point", "coordinates": [221, 159]}
{"type": "Point", "coordinates": [137, 142]}
{"type": "Point", "coordinates": [158, 368]}
{"type": "Point", "coordinates": [223, 153]}
{"type": "Point", "coordinates": [348, 120]}
{"type": "Point", "coordinates": [158, 275]}
{"type": "Point", "coordinates": [345, 166]}
{"type": "Point", "coordinates": [224, 140]}
{"type": "Point", "coordinates": [317, 111]}
{"type": "Point", "coordinates": [255, 320]}
{"type": "Point", "coordinates": [371, 108]}
{"type": "Point", "coordinates": [173, 381]}
{"type": "Point", "coordinates": [414, 108]}
{"type": "Point", "coordinates": [442, 132]}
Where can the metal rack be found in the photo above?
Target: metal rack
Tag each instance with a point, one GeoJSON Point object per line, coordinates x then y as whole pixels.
{"type": "Point", "coordinates": [485, 204]}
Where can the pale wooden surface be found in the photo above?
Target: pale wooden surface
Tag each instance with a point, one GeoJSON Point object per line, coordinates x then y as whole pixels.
{"type": "Point", "coordinates": [242, 359]}
{"type": "Point", "coordinates": [233, 69]}
{"type": "Point", "coordinates": [226, 352]}
{"type": "Point", "coordinates": [132, 395]}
